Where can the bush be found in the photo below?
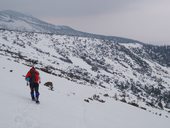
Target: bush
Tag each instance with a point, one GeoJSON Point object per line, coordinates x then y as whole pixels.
{"type": "Point", "coordinates": [106, 95]}
{"type": "Point", "coordinates": [123, 100]}
{"type": "Point", "coordinates": [86, 100]}
{"type": "Point", "coordinates": [134, 104]}
{"type": "Point", "coordinates": [143, 108]}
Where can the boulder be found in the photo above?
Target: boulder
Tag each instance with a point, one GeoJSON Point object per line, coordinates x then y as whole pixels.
{"type": "Point", "coordinates": [49, 84]}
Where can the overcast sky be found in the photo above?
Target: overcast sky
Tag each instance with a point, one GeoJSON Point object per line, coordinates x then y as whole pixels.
{"type": "Point", "coordinates": [143, 20]}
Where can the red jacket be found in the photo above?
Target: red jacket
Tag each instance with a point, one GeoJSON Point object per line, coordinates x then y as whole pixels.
{"type": "Point", "coordinates": [36, 73]}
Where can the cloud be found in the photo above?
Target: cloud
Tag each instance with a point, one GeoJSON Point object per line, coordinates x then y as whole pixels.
{"type": "Point", "coordinates": [144, 20]}
{"type": "Point", "coordinates": [65, 8]}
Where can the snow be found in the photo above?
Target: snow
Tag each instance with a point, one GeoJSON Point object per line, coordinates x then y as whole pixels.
{"type": "Point", "coordinates": [56, 47]}
{"type": "Point", "coordinates": [64, 107]}
{"type": "Point", "coordinates": [20, 24]}
{"type": "Point", "coordinates": [132, 45]}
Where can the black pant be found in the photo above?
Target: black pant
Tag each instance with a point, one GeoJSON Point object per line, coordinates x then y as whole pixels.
{"type": "Point", "coordinates": [34, 87]}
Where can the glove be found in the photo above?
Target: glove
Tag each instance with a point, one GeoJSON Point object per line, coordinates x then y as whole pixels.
{"type": "Point", "coordinates": [27, 79]}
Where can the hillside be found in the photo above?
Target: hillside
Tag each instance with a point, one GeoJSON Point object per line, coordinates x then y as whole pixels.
{"type": "Point", "coordinates": [126, 68]}
{"type": "Point", "coordinates": [65, 106]}
{"type": "Point", "coordinates": [99, 81]}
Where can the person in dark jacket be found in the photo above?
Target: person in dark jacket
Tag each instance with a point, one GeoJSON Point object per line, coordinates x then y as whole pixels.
{"type": "Point", "coordinates": [34, 80]}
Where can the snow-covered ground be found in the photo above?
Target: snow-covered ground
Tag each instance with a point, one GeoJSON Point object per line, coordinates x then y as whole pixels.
{"type": "Point", "coordinates": [65, 106]}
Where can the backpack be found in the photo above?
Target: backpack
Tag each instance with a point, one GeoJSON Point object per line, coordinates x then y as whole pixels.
{"type": "Point", "coordinates": [32, 77]}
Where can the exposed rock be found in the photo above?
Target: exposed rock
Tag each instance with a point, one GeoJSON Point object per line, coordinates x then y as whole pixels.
{"type": "Point", "coordinates": [50, 85]}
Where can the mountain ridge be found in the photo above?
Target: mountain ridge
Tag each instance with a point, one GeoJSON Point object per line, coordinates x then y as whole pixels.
{"type": "Point", "coordinates": [36, 25]}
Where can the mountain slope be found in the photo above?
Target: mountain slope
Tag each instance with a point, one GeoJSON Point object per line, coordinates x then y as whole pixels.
{"type": "Point", "coordinates": [125, 68]}
{"type": "Point", "coordinates": [12, 20]}
{"type": "Point", "coordinates": [64, 107]}
{"type": "Point", "coordinates": [99, 72]}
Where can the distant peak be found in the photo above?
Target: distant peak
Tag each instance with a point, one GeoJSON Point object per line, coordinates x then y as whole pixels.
{"type": "Point", "coordinates": [11, 12]}
{"type": "Point", "coordinates": [13, 20]}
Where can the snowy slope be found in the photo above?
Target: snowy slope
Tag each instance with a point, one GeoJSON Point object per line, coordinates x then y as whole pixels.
{"type": "Point", "coordinates": [126, 69]}
{"type": "Point", "coordinates": [65, 107]}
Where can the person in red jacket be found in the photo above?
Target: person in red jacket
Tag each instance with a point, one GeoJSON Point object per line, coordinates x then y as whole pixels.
{"type": "Point", "coordinates": [34, 80]}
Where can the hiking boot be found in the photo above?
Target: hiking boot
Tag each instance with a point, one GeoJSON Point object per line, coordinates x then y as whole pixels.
{"type": "Point", "coordinates": [33, 99]}
{"type": "Point", "coordinates": [37, 101]}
